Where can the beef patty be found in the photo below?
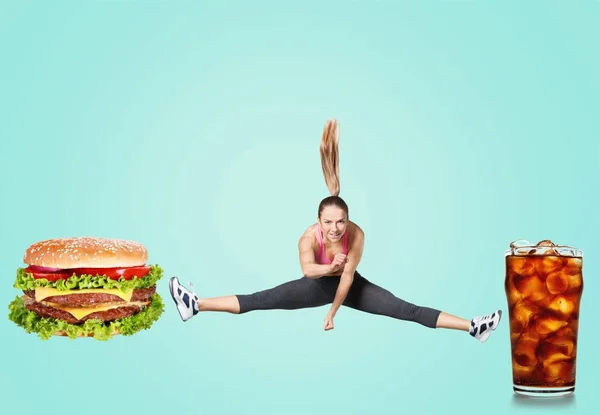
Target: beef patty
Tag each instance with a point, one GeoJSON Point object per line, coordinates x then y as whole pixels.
{"type": "Point", "coordinates": [45, 310]}
{"type": "Point", "coordinates": [78, 300]}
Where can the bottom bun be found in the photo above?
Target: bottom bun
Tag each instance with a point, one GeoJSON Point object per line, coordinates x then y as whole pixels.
{"type": "Point", "coordinates": [99, 330]}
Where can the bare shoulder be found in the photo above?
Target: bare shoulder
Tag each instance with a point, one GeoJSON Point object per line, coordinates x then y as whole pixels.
{"type": "Point", "coordinates": [310, 232]}
{"type": "Point", "coordinates": [355, 230]}
{"type": "Point", "coordinates": [309, 236]}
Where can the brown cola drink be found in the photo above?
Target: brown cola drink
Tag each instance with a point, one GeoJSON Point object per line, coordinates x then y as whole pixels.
{"type": "Point", "coordinates": [543, 285]}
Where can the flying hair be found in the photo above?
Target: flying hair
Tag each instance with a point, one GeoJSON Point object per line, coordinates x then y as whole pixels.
{"type": "Point", "coordinates": [330, 156]}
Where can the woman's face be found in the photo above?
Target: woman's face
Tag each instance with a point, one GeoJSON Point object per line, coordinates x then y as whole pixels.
{"type": "Point", "coordinates": [333, 222]}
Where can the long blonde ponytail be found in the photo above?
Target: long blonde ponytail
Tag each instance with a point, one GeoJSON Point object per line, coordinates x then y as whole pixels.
{"type": "Point", "coordinates": [330, 157]}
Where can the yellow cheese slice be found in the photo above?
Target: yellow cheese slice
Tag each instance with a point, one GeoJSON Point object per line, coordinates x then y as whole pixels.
{"type": "Point", "coordinates": [80, 312]}
{"type": "Point", "coordinates": [44, 292]}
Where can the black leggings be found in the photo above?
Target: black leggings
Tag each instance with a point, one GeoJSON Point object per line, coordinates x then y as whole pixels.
{"type": "Point", "coordinates": [315, 292]}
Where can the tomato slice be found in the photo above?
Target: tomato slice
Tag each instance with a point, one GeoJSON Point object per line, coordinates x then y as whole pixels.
{"type": "Point", "coordinates": [54, 274]}
{"type": "Point", "coordinates": [50, 276]}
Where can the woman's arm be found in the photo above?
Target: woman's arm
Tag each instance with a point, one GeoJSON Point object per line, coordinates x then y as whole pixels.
{"type": "Point", "coordinates": [310, 268]}
{"type": "Point", "coordinates": [355, 252]}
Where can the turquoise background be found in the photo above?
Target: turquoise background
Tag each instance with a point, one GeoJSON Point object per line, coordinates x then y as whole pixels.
{"type": "Point", "coordinates": [193, 127]}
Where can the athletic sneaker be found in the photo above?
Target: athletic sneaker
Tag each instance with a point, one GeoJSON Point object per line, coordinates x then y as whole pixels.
{"type": "Point", "coordinates": [482, 326]}
{"type": "Point", "coordinates": [186, 300]}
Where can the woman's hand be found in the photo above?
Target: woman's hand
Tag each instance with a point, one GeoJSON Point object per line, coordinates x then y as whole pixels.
{"type": "Point", "coordinates": [328, 325]}
{"type": "Point", "coordinates": [339, 260]}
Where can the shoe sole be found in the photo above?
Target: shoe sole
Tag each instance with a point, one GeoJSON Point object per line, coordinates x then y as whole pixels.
{"type": "Point", "coordinates": [489, 332]}
{"type": "Point", "coordinates": [172, 290]}
{"type": "Point", "coordinates": [499, 319]}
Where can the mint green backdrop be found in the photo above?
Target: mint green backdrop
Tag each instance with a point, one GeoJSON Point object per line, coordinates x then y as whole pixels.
{"type": "Point", "coordinates": [193, 127]}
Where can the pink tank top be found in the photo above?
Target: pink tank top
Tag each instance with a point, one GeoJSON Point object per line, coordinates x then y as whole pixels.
{"type": "Point", "coordinates": [320, 255]}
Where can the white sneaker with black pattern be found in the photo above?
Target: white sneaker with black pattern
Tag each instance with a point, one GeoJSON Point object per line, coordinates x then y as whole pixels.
{"type": "Point", "coordinates": [482, 326]}
{"type": "Point", "coordinates": [186, 300]}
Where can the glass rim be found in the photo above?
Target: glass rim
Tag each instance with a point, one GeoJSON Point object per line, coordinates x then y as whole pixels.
{"type": "Point", "coordinates": [557, 251]}
{"type": "Point", "coordinates": [545, 247]}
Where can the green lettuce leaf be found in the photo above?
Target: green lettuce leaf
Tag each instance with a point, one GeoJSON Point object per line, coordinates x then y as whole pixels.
{"type": "Point", "coordinates": [25, 281]}
{"type": "Point", "coordinates": [99, 330]}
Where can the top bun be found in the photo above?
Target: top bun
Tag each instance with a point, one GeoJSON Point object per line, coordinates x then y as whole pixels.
{"type": "Point", "coordinates": [86, 253]}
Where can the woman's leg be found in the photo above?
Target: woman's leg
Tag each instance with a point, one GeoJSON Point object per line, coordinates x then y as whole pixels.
{"type": "Point", "coordinates": [448, 321]}
{"type": "Point", "coordinates": [228, 304]}
{"type": "Point", "coordinates": [292, 295]}
{"type": "Point", "coordinates": [370, 298]}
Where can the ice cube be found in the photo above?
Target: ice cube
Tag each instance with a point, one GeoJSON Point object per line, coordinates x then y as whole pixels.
{"type": "Point", "coordinates": [545, 242]}
{"type": "Point", "coordinates": [521, 265]}
{"type": "Point", "coordinates": [575, 282]}
{"type": "Point", "coordinates": [521, 316]}
{"type": "Point", "coordinates": [522, 372]}
{"type": "Point", "coordinates": [566, 332]}
{"type": "Point", "coordinates": [548, 324]}
{"type": "Point", "coordinates": [560, 369]}
{"type": "Point", "coordinates": [531, 288]}
{"type": "Point", "coordinates": [549, 264]}
{"type": "Point", "coordinates": [525, 350]}
{"type": "Point", "coordinates": [520, 243]}
{"type": "Point", "coordinates": [512, 294]}
{"type": "Point", "coordinates": [562, 345]}
{"type": "Point", "coordinates": [554, 357]}
{"type": "Point", "coordinates": [544, 302]}
{"type": "Point", "coordinates": [573, 266]}
{"type": "Point", "coordinates": [557, 282]}
{"type": "Point", "coordinates": [562, 305]}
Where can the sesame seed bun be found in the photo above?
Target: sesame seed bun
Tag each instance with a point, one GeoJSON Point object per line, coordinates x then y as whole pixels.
{"type": "Point", "coordinates": [68, 253]}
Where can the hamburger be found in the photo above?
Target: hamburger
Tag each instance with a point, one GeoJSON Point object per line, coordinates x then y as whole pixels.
{"type": "Point", "coordinates": [86, 287]}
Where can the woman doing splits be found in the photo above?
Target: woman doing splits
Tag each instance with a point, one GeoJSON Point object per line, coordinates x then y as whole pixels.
{"type": "Point", "coordinates": [330, 251]}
